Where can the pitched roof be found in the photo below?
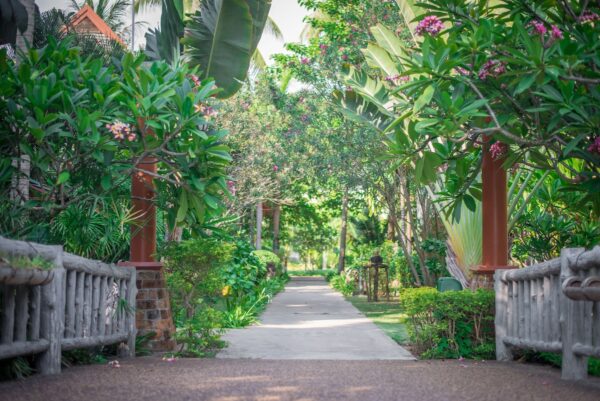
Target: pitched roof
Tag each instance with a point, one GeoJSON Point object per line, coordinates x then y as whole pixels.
{"type": "Point", "coordinates": [87, 13]}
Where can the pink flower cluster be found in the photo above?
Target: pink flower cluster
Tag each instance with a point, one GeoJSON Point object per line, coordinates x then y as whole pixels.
{"type": "Point", "coordinates": [595, 146]}
{"type": "Point", "coordinates": [207, 110]}
{"type": "Point", "coordinates": [430, 24]}
{"type": "Point", "coordinates": [121, 131]}
{"type": "Point", "coordinates": [231, 187]}
{"type": "Point", "coordinates": [195, 79]}
{"type": "Point", "coordinates": [498, 150]}
{"type": "Point", "coordinates": [394, 79]}
{"type": "Point", "coordinates": [275, 168]}
{"type": "Point", "coordinates": [305, 60]}
{"type": "Point", "coordinates": [589, 16]}
{"type": "Point", "coordinates": [462, 71]}
{"type": "Point", "coordinates": [492, 68]}
{"type": "Point", "coordinates": [540, 29]}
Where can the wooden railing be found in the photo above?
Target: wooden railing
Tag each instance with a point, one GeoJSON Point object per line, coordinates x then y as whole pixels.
{"type": "Point", "coordinates": [78, 303]}
{"type": "Point", "coordinates": [552, 307]}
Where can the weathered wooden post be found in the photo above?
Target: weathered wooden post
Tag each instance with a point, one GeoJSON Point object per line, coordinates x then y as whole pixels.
{"type": "Point", "coordinates": [574, 365]}
{"type": "Point", "coordinates": [495, 222]}
{"type": "Point", "coordinates": [52, 317]}
{"type": "Point", "coordinates": [153, 310]}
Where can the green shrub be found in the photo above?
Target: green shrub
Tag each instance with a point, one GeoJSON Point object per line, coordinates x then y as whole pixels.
{"type": "Point", "coordinates": [450, 324]}
{"type": "Point", "coordinates": [314, 273]}
{"type": "Point", "coordinates": [199, 335]}
{"type": "Point", "coordinates": [246, 309]}
{"type": "Point", "coordinates": [193, 276]}
{"type": "Point", "coordinates": [339, 283]}
{"type": "Point", "coordinates": [265, 257]}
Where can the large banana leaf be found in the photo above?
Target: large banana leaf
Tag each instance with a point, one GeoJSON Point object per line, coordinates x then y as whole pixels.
{"type": "Point", "coordinates": [221, 38]}
{"type": "Point", "coordinates": [358, 109]}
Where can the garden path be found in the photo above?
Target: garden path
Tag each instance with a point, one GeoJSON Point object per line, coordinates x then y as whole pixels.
{"type": "Point", "coordinates": [309, 320]}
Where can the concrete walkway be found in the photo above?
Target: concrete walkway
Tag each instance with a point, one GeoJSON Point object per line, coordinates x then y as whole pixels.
{"type": "Point", "coordinates": [311, 321]}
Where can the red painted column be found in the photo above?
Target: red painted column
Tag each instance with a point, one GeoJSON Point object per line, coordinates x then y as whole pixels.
{"type": "Point", "coordinates": [143, 234]}
{"type": "Point", "coordinates": [153, 310]}
{"type": "Point", "coordinates": [495, 219]}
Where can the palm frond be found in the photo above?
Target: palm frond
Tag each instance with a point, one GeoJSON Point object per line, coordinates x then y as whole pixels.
{"type": "Point", "coordinates": [273, 29]}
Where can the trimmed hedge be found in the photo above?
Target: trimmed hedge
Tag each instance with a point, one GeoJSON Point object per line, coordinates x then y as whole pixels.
{"type": "Point", "coordinates": [450, 324]}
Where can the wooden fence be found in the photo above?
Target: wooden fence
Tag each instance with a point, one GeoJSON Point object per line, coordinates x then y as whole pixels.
{"type": "Point", "coordinates": [552, 307]}
{"type": "Point", "coordinates": [78, 303]}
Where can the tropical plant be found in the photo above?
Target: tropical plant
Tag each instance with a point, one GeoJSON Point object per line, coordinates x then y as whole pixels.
{"type": "Point", "coordinates": [220, 37]}
{"type": "Point", "coordinates": [129, 115]}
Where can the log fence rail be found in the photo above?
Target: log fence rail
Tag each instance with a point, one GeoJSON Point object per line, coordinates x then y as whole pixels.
{"type": "Point", "coordinates": [552, 306]}
{"type": "Point", "coordinates": [79, 303]}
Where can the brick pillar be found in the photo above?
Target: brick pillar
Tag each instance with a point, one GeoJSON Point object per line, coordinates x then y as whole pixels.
{"type": "Point", "coordinates": [153, 312]}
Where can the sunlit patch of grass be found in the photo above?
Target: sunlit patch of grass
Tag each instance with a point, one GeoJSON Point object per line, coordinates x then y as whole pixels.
{"type": "Point", "coordinates": [386, 315]}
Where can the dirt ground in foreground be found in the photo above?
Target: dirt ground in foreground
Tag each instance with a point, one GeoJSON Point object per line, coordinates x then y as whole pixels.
{"type": "Point", "coordinates": [151, 378]}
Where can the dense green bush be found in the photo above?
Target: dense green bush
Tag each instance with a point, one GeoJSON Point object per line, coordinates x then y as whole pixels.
{"type": "Point", "coordinates": [192, 270]}
{"type": "Point", "coordinates": [450, 324]}
{"type": "Point", "coordinates": [341, 284]}
{"type": "Point", "coordinates": [265, 257]}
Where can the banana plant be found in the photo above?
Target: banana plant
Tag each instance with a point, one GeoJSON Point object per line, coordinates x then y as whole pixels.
{"type": "Point", "coordinates": [218, 36]}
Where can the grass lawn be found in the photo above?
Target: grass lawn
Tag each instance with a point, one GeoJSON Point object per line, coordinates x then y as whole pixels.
{"type": "Point", "coordinates": [386, 315]}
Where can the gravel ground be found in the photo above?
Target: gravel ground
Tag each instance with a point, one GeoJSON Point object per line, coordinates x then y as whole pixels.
{"type": "Point", "coordinates": [279, 380]}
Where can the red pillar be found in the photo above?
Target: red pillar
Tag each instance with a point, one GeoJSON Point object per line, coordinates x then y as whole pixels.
{"type": "Point", "coordinates": [143, 234]}
{"type": "Point", "coordinates": [494, 216]}
{"type": "Point", "coordinates": [153, 310]}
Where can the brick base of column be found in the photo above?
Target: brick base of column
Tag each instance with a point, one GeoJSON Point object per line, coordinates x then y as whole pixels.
{"type": "Point", "coordinates": [153, 310]}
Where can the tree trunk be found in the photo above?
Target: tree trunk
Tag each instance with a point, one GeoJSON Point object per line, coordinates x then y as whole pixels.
{"type": "Point", "coordinates": [259, 219]}
{"type": "Point", "coordinates": [391, 227]}
{"type": "Point", "coordinates": [342, 260]}
{"type": "Point", "coordinates": [324, 260]}
{"type": "Point", "coordinates": [276, 220]}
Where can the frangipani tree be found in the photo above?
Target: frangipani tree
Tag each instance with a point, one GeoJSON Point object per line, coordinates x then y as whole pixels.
{"type": "Point", "coordinates": [514, 71]}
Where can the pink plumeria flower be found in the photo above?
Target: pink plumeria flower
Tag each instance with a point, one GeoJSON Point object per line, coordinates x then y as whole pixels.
{"type": "Point", "coordinates": [430, 24]}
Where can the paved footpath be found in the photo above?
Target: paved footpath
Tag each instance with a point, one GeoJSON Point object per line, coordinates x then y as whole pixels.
{"type": "Point", "coordinates": [269, 362]}
{"type": "Point", "coordinates": [309, 320]}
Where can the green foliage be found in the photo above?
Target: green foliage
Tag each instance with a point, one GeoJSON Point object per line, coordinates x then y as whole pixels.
{"type": "Point", "coordinates": [198, 335]}
{"type": "Point", "coordinates": [246, 310]}
{"type": "Point", "coordinates": [450, 324]}
{"type": "Point", "coordinates": [15, 368]}
{"type": "Point", "coordinates": [267, 257]}
{"type": "Point", "coordinates": [343, 284]}
{"type": "Point", "coordinates": [63, 112]}
{"type": "Point", "coordinates": [221, 38]}
{"type": "Point", "coordinates": [193, 271]}
{"type": "Point", "coordinates": [314, 273]}
{"type": "Point", "coordinates": [556, 360]}
{"type": "Point", "coordinates": [491, 72]}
